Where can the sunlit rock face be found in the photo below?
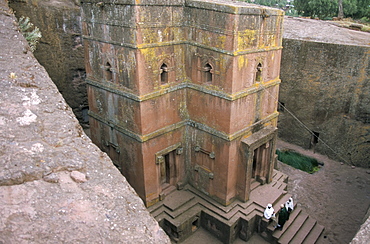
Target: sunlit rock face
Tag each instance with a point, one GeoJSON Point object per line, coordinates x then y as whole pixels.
{"type": "Point", "coordinates": [56, 186]}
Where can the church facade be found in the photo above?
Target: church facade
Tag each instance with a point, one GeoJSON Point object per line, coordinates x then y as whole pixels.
{"type": "Point", "coordinates": [184, 92]}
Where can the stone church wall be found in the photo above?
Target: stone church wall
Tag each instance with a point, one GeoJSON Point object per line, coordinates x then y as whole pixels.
{"type": "Point", "coordinates": [192, 68]}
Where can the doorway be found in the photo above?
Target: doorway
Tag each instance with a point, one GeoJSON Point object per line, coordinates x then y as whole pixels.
{"type": "Point", "coordinates": [261, 158]}
{"type": "Point", "coordinates": [168, 171]}
{"type": "Point", "coordinates": [259, 154]}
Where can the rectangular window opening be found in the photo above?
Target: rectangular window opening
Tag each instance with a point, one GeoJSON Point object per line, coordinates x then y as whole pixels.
{"type": "Point", "coordinates": [281, 107]}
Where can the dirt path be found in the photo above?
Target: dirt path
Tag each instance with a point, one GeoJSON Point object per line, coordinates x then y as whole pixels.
{"type": "Point", "coordinates": [338, 196]}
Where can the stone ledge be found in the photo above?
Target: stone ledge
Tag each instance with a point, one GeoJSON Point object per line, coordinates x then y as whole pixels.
{"type": "Point", "coordinates": [56, 186]}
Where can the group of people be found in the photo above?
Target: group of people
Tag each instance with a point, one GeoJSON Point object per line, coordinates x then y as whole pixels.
{"type": "Point", "coordinates": [282, 214]}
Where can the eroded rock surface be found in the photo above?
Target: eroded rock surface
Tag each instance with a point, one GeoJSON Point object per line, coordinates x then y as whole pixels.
{"type": "Point", "coordinates": [60, 49]}
{"type": "Point", "coordinates": [325, 74]}
{"type": "Point", "coordinates": [322, 31]}
{"type": "Point", "coordinates": [55, 185]}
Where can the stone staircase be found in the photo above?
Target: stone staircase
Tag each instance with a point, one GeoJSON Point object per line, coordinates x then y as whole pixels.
{"type": "Point", "coordinates": [300, 228]}
{"type": "Point", "coordinates": [183, 211]}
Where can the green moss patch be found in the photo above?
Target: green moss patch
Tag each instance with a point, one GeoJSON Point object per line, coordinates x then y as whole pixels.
{"type": "Point", "coordinates": [298, 161]}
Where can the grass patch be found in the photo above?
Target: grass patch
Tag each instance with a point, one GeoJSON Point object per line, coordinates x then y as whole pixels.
{"type": "Point", "coordinates": [30, 32]}
{"type": "Point", "coordinates": [365, 28]}
{"type": "Point", "coordinates": [298, 161]}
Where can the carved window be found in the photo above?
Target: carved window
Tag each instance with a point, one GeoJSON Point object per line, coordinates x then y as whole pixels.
{"type": "Point", "coordinates": [85, 115]}
{"type": "Point", "coordinates": [259, 72]}
{"type": "Point", "coordinates": [108, 72]}
{"type": "Point", "coordinates": [281, 107]}
{"type": "Point", "coordinates": [314, 138]}
{"type": "Point", "coordinates": [164, 74]}
{"type": "Point", "coordinates": [208, 73]}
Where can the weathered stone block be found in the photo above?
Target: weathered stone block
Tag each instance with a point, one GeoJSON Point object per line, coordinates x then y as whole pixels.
{"type": "Point", "coordinates": [328, 86]}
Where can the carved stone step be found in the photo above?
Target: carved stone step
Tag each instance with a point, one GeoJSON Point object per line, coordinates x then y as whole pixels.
{"type": "Point", "coordinates": [303, 231]}
{"type": "Point", "coordinates": [254, 184]}
{"type": "Point", "coordinates": [290, 232]}
{"type": "Point", "coordinates": [292, 217]}
{"type": "Point", "coordinates": [314, 234]}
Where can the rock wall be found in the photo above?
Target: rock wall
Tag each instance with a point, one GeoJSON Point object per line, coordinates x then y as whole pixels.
{"type": "Point", "coordinates": [60, 49]}
{"type": "Point", "coordinates": [326, 86]}
{"type": "Point", "coordinates": [56, 186]}
{"type": "Point", "coordinates": [363, 234]}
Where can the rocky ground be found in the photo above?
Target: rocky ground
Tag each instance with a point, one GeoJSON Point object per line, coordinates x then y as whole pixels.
{"type": "Point", "coordinates": [338, 195]}
{"type": "Point", "coordinates": [307, 30]}
{"type": "Point", "coordinates": [56, 186]}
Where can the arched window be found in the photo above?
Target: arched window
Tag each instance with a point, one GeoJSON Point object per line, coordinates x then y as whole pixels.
{"type": "Point", "coordinates": [259, 73]}
{"type": "Point", "coordinates": [208, 73]}
{"type": "Point", "coordinates": [164, 74]}
{"type": "Point", "coordinates": [108, 72]}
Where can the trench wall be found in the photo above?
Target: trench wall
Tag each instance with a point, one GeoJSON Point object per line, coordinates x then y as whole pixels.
{"type": "Point", "coordinates": [56, 186]}
{"type": "Point", "coordinates": [326, 86]}
{"type": "Point", "coordinates": [60, 49]}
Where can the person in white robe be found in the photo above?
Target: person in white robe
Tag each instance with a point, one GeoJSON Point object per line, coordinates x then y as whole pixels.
{"type": "Point", "coordinates": [270, 214]}
{"type": "Point", "coordinates": [269, 211]}
{"type": "Point", "coordinates": [289, 205]}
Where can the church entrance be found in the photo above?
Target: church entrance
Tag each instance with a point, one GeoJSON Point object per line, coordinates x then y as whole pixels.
{"type": "Point", "coordinates": [261, 157]}
{"type": "Point", "coordinates": [168, 170]}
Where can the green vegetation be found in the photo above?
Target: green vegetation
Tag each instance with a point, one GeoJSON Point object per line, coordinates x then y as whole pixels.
{"type": "Point", "coordinates": [365, 20]}
{"type": "Point", "coordinates": [298, 161]}
{"type": "Point", "coordinates": [329, 8]}
{"type": "Point", "coordinates": [322, 9]}
{"type": "Point", "coordinates": [30, 32]}
{"type": "Point", "coordinates": [365, 28]}
{"type": "Point", "coordinates": [271, 3]}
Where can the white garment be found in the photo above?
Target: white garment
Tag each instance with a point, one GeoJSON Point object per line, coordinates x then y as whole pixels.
{"type": "Point", "coordinates": [269, 211]}
{"type": "Point", "coordinates": [289, 204]}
